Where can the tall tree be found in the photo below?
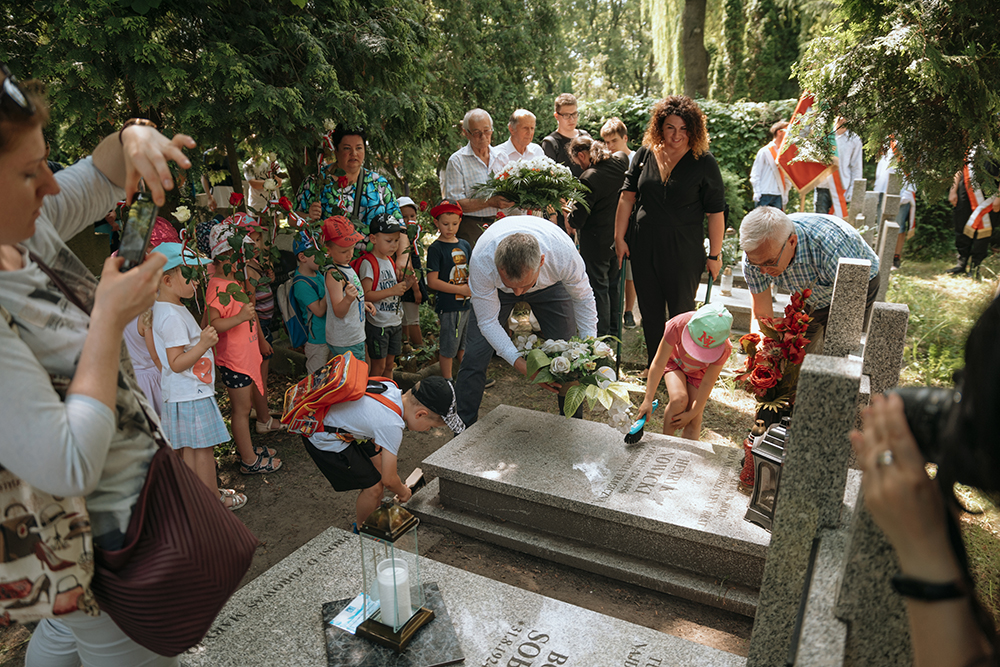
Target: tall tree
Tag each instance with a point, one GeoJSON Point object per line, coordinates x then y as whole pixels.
{"type": "Point", "coordinates": [734, 82]}
{"type": "Point", "coordinates": [918, 72]}
{"type": "Point", "coordinates": [695, 54]}
{"type": "Point", "coordinates": [772, 35]}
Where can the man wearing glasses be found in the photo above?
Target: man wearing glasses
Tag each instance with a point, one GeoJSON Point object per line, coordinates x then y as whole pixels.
{"type": "Point", "coordinates": [797, 252]}
{"type": "Point", "coordinates": [556, 144]}
{"type": "Point", "coordinates": [468, 168]}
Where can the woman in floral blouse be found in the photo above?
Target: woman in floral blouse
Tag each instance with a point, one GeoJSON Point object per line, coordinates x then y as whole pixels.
{"type": "Point", "coordinates": [332, 191]}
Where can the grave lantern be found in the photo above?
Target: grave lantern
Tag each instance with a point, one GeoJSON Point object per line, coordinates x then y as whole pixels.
{"type": "Point", "coordinates": [768, 455]}
{"type": "Point", "coordinates": [394, 607]}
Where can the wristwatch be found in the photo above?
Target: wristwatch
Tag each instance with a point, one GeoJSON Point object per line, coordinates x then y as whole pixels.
{"type": "Point", "coordinates": [918, 589]}
{"type": "Point", "coordinates": [135, 121]}
{"type": "Point", "coordinates": [713, 257]}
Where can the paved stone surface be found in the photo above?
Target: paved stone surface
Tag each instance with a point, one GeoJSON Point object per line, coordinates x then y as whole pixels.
{"type": "Point", "coordinates": [664, 498]}
{"type": "Point", "coordinates": [886, 251]}
{"type": "Point", "coordinates": [810, 497]}
{"type": "Point", "coordinates": [847, 308]}
{"type": "Point", "coordinates": [277, 620]}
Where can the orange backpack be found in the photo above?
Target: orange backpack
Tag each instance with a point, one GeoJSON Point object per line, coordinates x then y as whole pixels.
{"type": "Point", "coordinates": [343, 378]}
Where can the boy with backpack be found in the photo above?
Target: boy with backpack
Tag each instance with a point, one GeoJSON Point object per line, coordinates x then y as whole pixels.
{"type": "Point", "coordinates": [377, 270]}
{"type": "Point", "coordinates": [358, 443]}
{"type": "Point", "coordinates": [308, 298]}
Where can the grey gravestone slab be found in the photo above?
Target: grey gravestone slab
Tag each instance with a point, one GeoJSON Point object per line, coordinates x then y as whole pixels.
{"type": "Point", "coordinates": [884, 345]}
{"type": "Point", "coordinates": [878, 629]}
{"type": "Point", "coordinates": [857, 204]}
{"type": "Point", "coordinates": [663, 498]}
{"type": "Point", "coordinates": [870, 211]}
{"type": "Point", "coordinates": [823, 635]}
{"type": "Point", "coordinates": [277, 619]}
{"type": "Point", "coordinates": [434, 645]}
{"type": "Point", "coordinates": [886, 251]}
{"type": "Point", "coordinates": [847, 308]}
{"type": "Point", "coordinates": [656, 575]}
{"type": "Point", "coordinates": [810, 496]}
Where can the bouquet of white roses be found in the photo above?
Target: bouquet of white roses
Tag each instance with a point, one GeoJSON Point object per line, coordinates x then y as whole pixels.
{"type": "Point", "coordinates": [534, 184]}
{"type": "Point", "coordinates": [586, 365]}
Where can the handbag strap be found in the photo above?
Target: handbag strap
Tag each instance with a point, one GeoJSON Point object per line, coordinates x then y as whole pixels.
{"type": "Point", "coordinates": [59, 282]}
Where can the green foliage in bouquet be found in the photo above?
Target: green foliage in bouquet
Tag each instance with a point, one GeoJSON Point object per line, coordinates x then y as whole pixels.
{"type": "Point", "coordinates": [535, 185]}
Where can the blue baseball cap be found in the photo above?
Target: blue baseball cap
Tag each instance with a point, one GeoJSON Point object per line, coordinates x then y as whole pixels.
{"type": "Point", "coordinates": [301, 243]}
{"type": "Point", "coordinates": [177, 255]}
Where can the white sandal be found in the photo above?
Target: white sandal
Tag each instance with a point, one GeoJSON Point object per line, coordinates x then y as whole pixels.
{"type": "Point", "coordinates": [271, 426]}
{"type": "Point", "coordinates": [238, 499]}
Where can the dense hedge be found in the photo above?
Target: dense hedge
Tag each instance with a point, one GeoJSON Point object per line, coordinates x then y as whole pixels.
{"type": "Point", "coordinates": [736, 131]}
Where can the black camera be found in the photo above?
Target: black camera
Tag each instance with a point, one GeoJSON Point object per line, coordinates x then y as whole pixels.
{"type": "Point", "coordinates": [931, 413]}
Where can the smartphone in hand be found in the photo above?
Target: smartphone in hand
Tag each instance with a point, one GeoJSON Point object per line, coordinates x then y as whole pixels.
{"type": "Point", "coordinates": [138, 230]}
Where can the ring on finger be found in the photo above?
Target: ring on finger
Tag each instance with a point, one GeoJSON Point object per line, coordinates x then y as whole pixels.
{"type": "Point", "coordinates": [885, 458]}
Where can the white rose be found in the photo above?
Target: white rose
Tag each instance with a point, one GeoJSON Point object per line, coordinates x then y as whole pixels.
{"type": "Point", "coordinates": [559, 365]}
{"type": "Point", "coordinates": [272, 157]}
{"type": "Point", "coordinates": [555, 346]}
{"type": "Point", "coordinates": [572, 353]}
{"type": "Point", "coordinates": [602, 349]}
{"type": "Point", "coordinates": [531, 342]}
{"type": "Point", "coordinates": [329, 125]}
{"type": "Point", "coordinates": [182, 214]}
{"type": "Point", "coordinates": [269, 184]}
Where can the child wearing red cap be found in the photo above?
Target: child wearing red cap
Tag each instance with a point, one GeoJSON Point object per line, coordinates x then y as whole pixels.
{"type": "Point", "coordinates": [448, 275]}
{"type": "Point", "coordinates": [345, 301]}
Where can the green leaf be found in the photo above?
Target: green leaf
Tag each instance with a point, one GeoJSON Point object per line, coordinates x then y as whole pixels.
{"type": "Point", "coordinates": [574, 397]}
{"type": "Point", "coordinates": [544, 375]}
{"type": "Point", "coordinates": [605, 397]}
{"type": "Point", "coordinates": [536, 359]}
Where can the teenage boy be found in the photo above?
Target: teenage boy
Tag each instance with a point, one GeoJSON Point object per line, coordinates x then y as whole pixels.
{"type": "Point", "coordinates": [448, 275]}
{"type": "Point", "coordinates": [615, 135]}
{"type": "Point", "coordinates": [309, 295]}
{"type": "Point", "coordinates": [556, 144]}
{"type": "Point", "coordinates": [769, 183]}
{"type": "Point", "coordinates": [383, 328]}
{"type": "Point", "coordinates": [358, 446]}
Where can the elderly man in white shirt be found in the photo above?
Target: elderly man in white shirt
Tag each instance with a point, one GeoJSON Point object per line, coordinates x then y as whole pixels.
{"type": "Point", "coordinates": [527, 259]}
{"type": "Point", "coordinates": [520, 145]}
{"type": "Point", "coordinates": [468, 168]}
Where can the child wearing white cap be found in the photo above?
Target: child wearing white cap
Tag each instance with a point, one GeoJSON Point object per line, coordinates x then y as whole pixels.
{"type": "Point", "coordinates": [694, 348]}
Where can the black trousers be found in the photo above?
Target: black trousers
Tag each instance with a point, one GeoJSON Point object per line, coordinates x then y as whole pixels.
{"type": "Point", "coordinates": [667, 263]}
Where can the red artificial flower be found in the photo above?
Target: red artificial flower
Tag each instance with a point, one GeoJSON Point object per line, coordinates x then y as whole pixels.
{"type": "Point", "coordinates": [796, 354]}
{"type": "Point", "coordinates": [764, 378]}
{"type": "Point", "coordinates": [749, 342]}
{"type": "Point", "coordinates": [342, 181]}
{"type": "Point", "coordinates": [285, 203]}
{"type": "Point", "coordinates": [501, 214]}
{"type": "Point", "coordinates": [423, 206]}
{"type": "Point", "coordinates": [235, 198]}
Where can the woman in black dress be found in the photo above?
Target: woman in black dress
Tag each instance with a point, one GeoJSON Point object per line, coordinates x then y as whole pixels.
{"type": "Point", "coordinates": [673, 183]}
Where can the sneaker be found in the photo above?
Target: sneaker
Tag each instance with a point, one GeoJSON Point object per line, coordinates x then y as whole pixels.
{"type": "Point", "coordinates": [489, 383]}
{"type": "Point", "coordinates": [896, 261]}
{"type": "Point", "coordinates": [958, 268]}
{"type": "Point", "coordinates": [629, 320]}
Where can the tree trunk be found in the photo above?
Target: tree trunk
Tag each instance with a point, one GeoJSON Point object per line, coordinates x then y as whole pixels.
{"type": "Point", "coordinates": [695, 54]}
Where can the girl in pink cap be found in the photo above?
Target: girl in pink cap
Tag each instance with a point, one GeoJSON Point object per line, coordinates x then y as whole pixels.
{"type": "Point", "coordinates": [694, 348]}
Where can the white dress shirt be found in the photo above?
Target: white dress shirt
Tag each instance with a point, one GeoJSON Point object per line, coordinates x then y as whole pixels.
{"type": "Point", "coordinates": [508, 154]}
{"type": "Point", "coordinates": [465, 173]}
{"type": "Point", "coordinates": [562, 264]}
{"type": "Point", "coordinates": [849, 158]}
{"type": "Point", "coordinates": [765, 176]}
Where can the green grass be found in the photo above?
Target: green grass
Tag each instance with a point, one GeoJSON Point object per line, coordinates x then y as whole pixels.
{"type": "Point", "coordinates": [942, 311]}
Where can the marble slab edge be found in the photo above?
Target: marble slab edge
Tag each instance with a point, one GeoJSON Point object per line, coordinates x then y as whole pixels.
{"type": "Point", "coordinates": [647, 574]}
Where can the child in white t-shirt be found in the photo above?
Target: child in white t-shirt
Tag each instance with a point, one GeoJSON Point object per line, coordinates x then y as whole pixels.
{"type": "Point", "coordinates": [190, 416]}
{"type": "Point", "coordinates": [383, 328]}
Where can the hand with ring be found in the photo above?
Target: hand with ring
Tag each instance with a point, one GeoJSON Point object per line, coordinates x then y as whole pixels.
{"type": "Point", "coordinates": [905, 503]}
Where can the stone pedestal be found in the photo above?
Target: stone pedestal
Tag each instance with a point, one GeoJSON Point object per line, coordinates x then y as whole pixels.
{"type": "Point", "coordinates": [884, 345]}
{"type": "Point", "coordinates": [810, 497]}
{"type": "Point", "coordinates": [856, 207]}
{"type": "Point", "coordinates": [572, 491]}
{"type": "Point", "coordinates": [870, 211]}
{"type": "Point", "coordinates": [886, 251]}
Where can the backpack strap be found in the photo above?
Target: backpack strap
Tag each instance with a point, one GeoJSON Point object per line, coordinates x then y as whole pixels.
{"type": "Point", "coordinates": [376, 389]}
{"type": "Point", "coordinates": [294, 304]}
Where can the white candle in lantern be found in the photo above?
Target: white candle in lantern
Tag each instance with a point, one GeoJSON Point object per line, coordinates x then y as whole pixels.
{"type": "Point", "coordinates": [394, 591]}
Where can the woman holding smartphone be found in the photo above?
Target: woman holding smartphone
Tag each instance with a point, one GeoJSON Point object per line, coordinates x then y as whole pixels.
{"type": "Point", "coordinates": [91, 438]}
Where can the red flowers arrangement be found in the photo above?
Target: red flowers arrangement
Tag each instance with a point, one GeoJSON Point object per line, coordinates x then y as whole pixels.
{"type": "Point", "coordinates": [774, 359]}
{"type": "Point", "coordinates": [235, 198]}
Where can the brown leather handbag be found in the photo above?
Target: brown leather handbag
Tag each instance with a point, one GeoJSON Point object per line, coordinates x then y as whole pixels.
{"type": "Point", "coordinates": [184, 555]}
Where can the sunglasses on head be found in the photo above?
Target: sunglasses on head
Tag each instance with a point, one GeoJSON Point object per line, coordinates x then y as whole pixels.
{"type": "Point", "coordinates": [12, 96]}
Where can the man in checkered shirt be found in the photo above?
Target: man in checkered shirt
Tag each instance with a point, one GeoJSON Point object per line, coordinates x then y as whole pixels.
{"type": "Point", "coordinates": [800, 251]}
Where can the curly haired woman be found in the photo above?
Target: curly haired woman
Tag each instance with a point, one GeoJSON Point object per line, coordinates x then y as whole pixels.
{"type": "Point", "coordinates": [673, 183]}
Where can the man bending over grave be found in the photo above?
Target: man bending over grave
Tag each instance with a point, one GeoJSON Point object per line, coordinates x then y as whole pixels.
{"type": "Point", "coordinates": [521, 258]}
{"type": "Point", "coordinates": [800, 251]}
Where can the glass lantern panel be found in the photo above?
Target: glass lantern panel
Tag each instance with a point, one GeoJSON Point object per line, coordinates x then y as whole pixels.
{"type": "Point", "coordinates": [373, 552]}
{"type": "Point", "coordinates": [391, 573]}
{"type": "Point", "coordinates": [768, 477]}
